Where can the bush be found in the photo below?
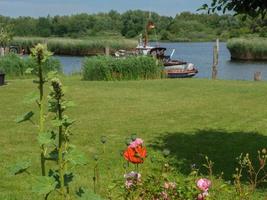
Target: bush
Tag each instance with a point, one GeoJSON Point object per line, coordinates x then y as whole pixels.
{"type": "Point", "coordinates": [130, 68]}
{"type": "Point", "coordinates": [12, 65]}
{"type": "Point", "coordinates": [15, 66]}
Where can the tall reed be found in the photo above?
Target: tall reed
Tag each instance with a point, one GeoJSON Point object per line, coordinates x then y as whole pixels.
{"type": "Point", "coordinates": [15, 66]}
{"type": "Point", "coordinates": [79, 47]}
{"type": "Point", "coordinates": [248, 48]}
{"type": "Point", "coordinates": [131, 68]}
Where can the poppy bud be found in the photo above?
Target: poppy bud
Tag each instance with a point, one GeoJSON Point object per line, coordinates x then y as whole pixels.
{"type": "Point", "coordinates": [103, 139]}
{"type": "Point", "coordinates": [128, 141]}
{"type": "Point", "coordinates": [133, 136]}
{"type": "Point", "coordinates": [166, 152]}
{"type": "Point", "coordinates": [96, 157]}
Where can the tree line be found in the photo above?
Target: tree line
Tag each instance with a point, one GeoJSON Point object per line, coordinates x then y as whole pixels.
{"type": "Point", "coordinates": [185, 26]}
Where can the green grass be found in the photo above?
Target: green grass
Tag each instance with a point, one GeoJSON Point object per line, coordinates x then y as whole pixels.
{"type": "Point", "coordinates": [254, 48]}
{"type": "Point", "coordinates": [191, 117]}
{"type": "Point", "coordinates": [79, 47]}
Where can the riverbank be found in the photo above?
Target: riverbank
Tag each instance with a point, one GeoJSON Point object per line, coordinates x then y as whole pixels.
{"type": "Point", "coordinates": [191, 117]}
{"type": "Point", "coordinates": [248, 48]}
{"type": "Point", "coordinates": [76, 47]}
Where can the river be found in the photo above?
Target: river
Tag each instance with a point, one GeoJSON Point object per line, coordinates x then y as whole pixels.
{"type": "Point", "coordinates": [199, 54]}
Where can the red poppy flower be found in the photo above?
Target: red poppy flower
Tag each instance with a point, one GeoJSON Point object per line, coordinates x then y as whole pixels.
{"type": "Point", "coordinates": [135, 155]}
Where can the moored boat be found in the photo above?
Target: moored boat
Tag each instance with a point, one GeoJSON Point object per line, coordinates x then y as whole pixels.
{"type": "Point", "coordinates": [174, 68]}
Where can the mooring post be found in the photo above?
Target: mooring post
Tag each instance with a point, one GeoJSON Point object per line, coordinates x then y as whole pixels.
{"type": "Point", "coordinates": [257, 76]}
{"type": "Point", "coordinates": [215, 60]}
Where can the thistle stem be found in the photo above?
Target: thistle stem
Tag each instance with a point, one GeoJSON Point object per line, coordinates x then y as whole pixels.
{"type": "Point", "coordinates": [41, 113]}
{"type": "Point", "coordinates": [60, 150]}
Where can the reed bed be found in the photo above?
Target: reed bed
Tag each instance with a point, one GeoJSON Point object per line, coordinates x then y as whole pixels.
{"type": "Point", "coordinates": [248, 48]}
{"type": "Point", "coordinates": [131, 68]}
{"type": "Point", "coordinates": [76, 47]}
{"type": "Point", "coordinates": [15, 66]}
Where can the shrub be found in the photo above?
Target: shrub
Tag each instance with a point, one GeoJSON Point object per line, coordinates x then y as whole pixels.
{"type": "Point", "coordinates": [130, 68]}
{"type": "Point", "coordinates": [15, 66]}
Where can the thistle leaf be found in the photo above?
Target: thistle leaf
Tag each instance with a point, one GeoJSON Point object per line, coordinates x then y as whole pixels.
{"type": "Point", "coordinates": [52, 74]}
{"type": "Point", "coordinates": [45, 138]}
{"type": "Point", "coordinates": [57, 123]}
{"type": "Point", "coordinates": [68, 104]}
{"type": "Point", "coordinates": [76, 157]}
{"type": "Point", "coordinates": [27, 116]}
{"type": "Point", "coordinates": [84, 194]}
{"type": "Point", "coordinates": [44, 185]}
{"type": "Point", "coordinates": [20, 167]}
{"type": "Point", "coordinates": [30, 98]}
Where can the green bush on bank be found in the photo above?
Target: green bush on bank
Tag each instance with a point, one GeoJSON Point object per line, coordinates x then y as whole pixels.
{"type": "Point", "coordinates": [248, 48]}
{"type": "Point", "coordinates": [131, 68]}
{"type": "Point", "coordinates": [14, 65]}
{"type": "Point", "coordinates": [79, 47]}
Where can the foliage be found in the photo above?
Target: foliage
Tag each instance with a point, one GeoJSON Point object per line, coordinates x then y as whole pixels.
{"type": "Point", "coordinates": [55, 143]}
{"type": "Point", "coordinates": [15, 66]}
{"type": "Point", "coordinates": [163, 182]}
{"type": "Point", "coordinates": [6, 35]}
{"type": "Point", "coordinates": [130, 68]}
{"type": "Point", "coordinates": [252, 8]}
{"type": "Point", "coordinates": [68, 46]}
{"type": "Point", "coordinates": [183, 27]}
{"type": "Point", "coordinates": [248, 48]}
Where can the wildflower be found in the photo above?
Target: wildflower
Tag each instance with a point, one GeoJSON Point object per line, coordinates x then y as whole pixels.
{"type": "Point", "coordinates": [164, 195]}
{"type": "Point", "coordinates": [132, 179]}
{"type": "Point", "coordinates": [135, 153]}
{"type": "Point", "coordinates": [203, 184]}
{"type": "Point", "coordinates": [136, 142]}
{"type": "Point", "coordinates": [169, 185]}
{"type": "Point", "coordinates": [166, 152]}
{"type": "Point", "coordinates": [202, 196]}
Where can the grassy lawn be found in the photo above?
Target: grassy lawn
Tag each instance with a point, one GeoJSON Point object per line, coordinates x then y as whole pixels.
{"type": "Point", "coordinates": [191, 117]}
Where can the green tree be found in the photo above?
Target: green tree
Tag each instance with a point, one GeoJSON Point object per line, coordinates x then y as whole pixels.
{"type": "Point", "coordinates": [253, 8]}
{"type": "Point", "coordinates": [44, 26]}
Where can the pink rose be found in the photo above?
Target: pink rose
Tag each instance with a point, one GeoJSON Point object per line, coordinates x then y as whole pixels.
{"type": "Point", "coordinates": [202, 196]}
{"type": "Point", "coordinates": [164, 195]}
{"type": "Point", "coordinates": [203, 184]}
{"type": "Point", "coordinates": [169, 185]}
{"type": "Point", "coordinates": [137, 142]}
{"type": "Point", "coordinates": [132, 179]}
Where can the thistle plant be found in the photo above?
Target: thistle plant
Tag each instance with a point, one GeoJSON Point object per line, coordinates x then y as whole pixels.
{"type": "Point", "coordinates": [54, 143]}
{"type": "Point", "coordinates": [40, 55]}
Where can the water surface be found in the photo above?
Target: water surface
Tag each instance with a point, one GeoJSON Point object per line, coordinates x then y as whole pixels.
{"type": "Point", "coordinates": [201, 54]}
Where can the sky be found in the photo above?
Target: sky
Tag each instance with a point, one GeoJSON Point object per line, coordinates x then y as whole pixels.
{"type": "Point", "coordinates": [36, 8]}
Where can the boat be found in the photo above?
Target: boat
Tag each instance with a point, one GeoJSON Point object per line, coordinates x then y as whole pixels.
{"type": "Point", "coordinates": [174, 68]}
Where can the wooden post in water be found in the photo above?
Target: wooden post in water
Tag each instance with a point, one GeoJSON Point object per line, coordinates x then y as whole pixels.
{"type": "Point", "coordinates": [257, 76]}
{"type": "Point", "coordinates": [215, 60]}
